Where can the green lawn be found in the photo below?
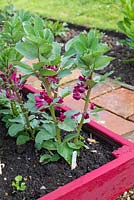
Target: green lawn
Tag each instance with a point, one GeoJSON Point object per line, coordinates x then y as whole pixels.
{"type": "Point", "coordinates": [94, 13]}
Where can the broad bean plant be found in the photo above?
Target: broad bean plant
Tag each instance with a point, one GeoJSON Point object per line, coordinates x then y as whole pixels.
{"type": "Point", "coordinates": [127, 24]}
{"type": "Point", "coordinates": [40, 117]}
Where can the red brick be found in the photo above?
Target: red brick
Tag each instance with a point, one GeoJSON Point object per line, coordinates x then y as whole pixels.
{"type": "Point", "coordinates": [29, 62]}
{"type": "Point", "coordinates": [129, 136]}
{"type": "Point", "coordinates": [98, 90]}
{"type": "Point", "coordinates": [115, 123]}
{"type": "Point", "coordinates": [107, 119]}
{"type": "Point", "coordinates": [120, 102]}
{"type": "Point", "coordinates": [34, 82]}
{"type": "Point", "coordinates": [131, 118]}
{"type": "Point", "coordinates": [103, 88]}
{"type": "Point", "coordinates": [74, 76]}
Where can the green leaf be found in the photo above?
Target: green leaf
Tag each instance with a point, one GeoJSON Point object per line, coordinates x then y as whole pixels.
{"type": "Point", "coordinates": [56, 49]}
{"type": "Point", "coordinates": [64, 92]}
{"type": "Point", "coordinates": [24, 68]}
{"type": "Point", "coordinates": [14, 129]}
{"type": "Point", "coordinates": [67, 125]}
{"type": "Point", "coordinates": [18, 119]}
{"type": "Point", "coordinates": [46, 158]}
{"type": "Point", "coordinates": [47, 72]}
{"type": "Point", "coordinates": [50, 127]}
{"type": "Point", "coordinates": [44, 135]}
{"type": "Point", "coordinates": [38, 25]}
{"type": "Point", "coordinates": [22, 186]}
{"type": "Point", "coordinates": [70, 137]}
{"type": "Point", "coordinates": [5, 111]}
{"type": "Point", "coordinates": [102, 61]}
{"type": "Point", "coordinates": [75, 146]}
{"type": "Point", "coordinates": [30, 104]}
{"type": "Point", "coordinates": [70, 113]}
{"type": "Point", "coordinates": [38, 65]}
{"type": "Point", "coordinates": [34, 123]}
{"type": "Point", "coordinates": [48, 35]}
{"type": "Point", "coordinates": [66, 152]}
{"type": "Point", "coordinates": [18, 178]}
{"type": "Point", "coordinates": [49, 145]}
{"type": "Point", "coordinates": [22, 139]}
{"type": "Point", "coordinates": [28, 28]}
{"type": "Point", "coordinates": [64, 73]}
{"type": "Point", "coordinates": [27, 49]}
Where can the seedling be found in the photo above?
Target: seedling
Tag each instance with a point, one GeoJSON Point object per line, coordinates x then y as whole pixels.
{"type": "Point", "coordinates": [18, 185]}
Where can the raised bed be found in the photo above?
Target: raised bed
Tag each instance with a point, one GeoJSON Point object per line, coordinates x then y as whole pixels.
{"type": "Point", "coordinates": [106, 182]}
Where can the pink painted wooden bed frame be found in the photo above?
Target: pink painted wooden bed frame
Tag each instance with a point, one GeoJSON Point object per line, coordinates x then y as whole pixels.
{"type": "Point", "coordinates": [105, 183]}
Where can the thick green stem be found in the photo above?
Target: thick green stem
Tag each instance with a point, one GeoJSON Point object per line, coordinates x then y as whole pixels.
{"type": "Point", "coordinates": [84, 111]}
{"type": "Point", "coordinates": [58, 135]}
{"type": "Point", "coordinates": [13, 106]}
{"type": "Point", "coordinates": [52, 111]}
{"type": "Point", "coordinates": [24, 111]}
{"type": "Point", "coordinates": [85, 108]}
{"type": "Point", "coordinates": [14, 109]}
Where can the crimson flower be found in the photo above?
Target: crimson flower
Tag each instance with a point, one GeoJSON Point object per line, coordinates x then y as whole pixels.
{"type": "Point", "coordinates": [11, 96]}
{"type": "Point", "coordinates": [82, 78]}
{"type": "Point", "coordinates": [60, 100]}
{"type": "Point", "coordinates": [39, 102]}
{"type": "Point", "coordinates": [79, 91]}
{"type": "Point", "coordinates": [92, 105]}
{"type": "Point", "coordinates": [61, 117]}
{"type": "Point", "coordinates": [11, 82]}
{"type": "Point", "coordinates": [43, 99]}
{"type": "Point", "coordinates": [86, 115]}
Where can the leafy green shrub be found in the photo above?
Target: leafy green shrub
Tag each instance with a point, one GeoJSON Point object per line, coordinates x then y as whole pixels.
{"type": "Point", "coordinates": [57, 28]}
{"type": "Point", "coordinates": [6, 13]}
{"type": "Point", "coordinates": [127, 24]}
{"type": "Point", "coordinates": [29, 120]}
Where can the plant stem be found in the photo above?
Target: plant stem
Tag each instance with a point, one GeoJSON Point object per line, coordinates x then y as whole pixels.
{"type": "Point", "coordinates": [84, 110]}
{"type": "Point", "coordinates": [13, 108]}
{"type": "Point", "coordinates": [24, 111]}
{"type": "Point", "coordinates": [52, 111]}
{"type": "Point", "coordinates": [58, 135]}
{"type": "Point", "coordinates": [85, 106]}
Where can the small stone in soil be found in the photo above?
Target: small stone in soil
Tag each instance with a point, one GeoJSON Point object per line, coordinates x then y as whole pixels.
{"type": "Point", "coordinates": [125, 194]}
{"type": "Point", "coordinates": [43, 187]}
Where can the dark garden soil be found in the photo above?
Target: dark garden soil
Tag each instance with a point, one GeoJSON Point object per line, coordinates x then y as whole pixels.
{"type": "Point", "coordinates": [122, 70]}
{"type": "Point", "coordinates": [42, 179]}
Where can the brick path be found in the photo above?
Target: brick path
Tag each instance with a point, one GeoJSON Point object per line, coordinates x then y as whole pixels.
{"type": "Point", "coordinates": [116, 100]}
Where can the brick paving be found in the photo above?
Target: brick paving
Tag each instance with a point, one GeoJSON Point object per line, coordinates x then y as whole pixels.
{"type": "Point", "coordinates": [119, 101]}
{"type": "Point", "coordinates": [131, 118]}
{"type": "Point", "coordinates": [116, 100]}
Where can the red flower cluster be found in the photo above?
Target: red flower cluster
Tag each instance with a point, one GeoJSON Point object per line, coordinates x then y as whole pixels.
{"type": "Point", "coordinates": [80, 89]}
{"type": "Point", "coordinates": [43, 99]}
{"type": "Point", "coordinates": [10, 79]}
{"type": "Point", "coordinates": [61, 117]}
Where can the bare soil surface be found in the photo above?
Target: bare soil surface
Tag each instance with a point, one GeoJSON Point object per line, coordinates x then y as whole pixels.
{"type": "Point", "coordinates": [42, 179]}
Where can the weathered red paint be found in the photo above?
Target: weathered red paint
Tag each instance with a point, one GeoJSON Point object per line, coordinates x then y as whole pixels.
{"type": "Point", "coordinates": [106, 182]}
